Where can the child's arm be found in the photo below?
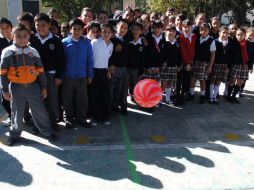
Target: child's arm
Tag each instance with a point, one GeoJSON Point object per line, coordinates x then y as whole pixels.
{"type": "Point", "coordinates": [90, 63]}
{"type": "Point", "coordinates": [212, 57]}
{"type": "Point", "coordinates": [60, 53]}
{"type": "Point", "coordinates": [4, 81]}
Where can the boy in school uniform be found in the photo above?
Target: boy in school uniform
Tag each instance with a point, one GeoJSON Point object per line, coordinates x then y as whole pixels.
{"type": "Point", "coordinates": [77, 74]}
{"type": "Point", "coordinates": [187, 49]}
{"type": "Point", "coordinates": [203, 61]}
{"type": "Point", "coordinates": [93, 30]}
{"type": "Point", "coordinates": [136, 58]}
{"type": "Point", "coordinates": [24, 84]}
{"type": "Point", "coordinates": [52, 54]}
{"type": "Point", "coordinates": [118, 62]}
{"type": "Point", "coordinates": [102, 50]}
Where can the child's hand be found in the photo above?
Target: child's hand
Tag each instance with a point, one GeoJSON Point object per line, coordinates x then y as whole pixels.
{"type": "Point", "coordinates": [7, 96]}
{"type": "Point", "coordinates": [188, 67]}
{"type": "Point", "coordinates": [119, 48]}
{"type": "Point", "coordinates": [112, 69]}
{"type": "Point", "coordinates": [164, 65]}
{"type": "Point", "coordinates": [209, 69]}
{"type": "Point", "coordinates": [44, 93]}
{"type": "Point", "coordinates": [109, 75]}
{"type": "Point", "coordinates": [145, 42]}
{"type": "Point", "coordinates": [89, 80]}
{"type": "Point", "coordinates": [58, 82]}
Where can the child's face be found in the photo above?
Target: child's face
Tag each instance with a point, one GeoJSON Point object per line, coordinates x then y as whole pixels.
{"type": "Point", "coordinates": [224, 35]}
{"type": "Point", "coordinates": [86, 16]}
{"type": "Point", "coordinates": [170, 34]}
{"type": "Point", "coordinates": [154, 17]}
{"type": "Point", "coordinates": [103, 18]}
{"type": "Point", "coordinates": [122, 29]}
{"type": "Point", "coordinates": [216, 24]}
{"type": "Point", "coordinates": [65, 31]}
{"type": "Point", "coordinates": [55, 16]}
{"type": "Point", "coordinates": [165, 22]}
{"type": "Point", "coordinates": [42, 27]}
{"type": "Point", "coordinates": [94, 33]}
{"type": "Point", "coordinates": [136, 31]}
{"type": "Point", "coordinates": [187, 29]}
{"type": "Point", "coordinates": [106, 34]}
{"type": "Point", "coordinates": [200, 20]}
{"type": "Point", "coordinates": [146, 24]}
{"type": "Point", "coordinates": [204, 31]}
{"type": "Point", "coordinates": [240, 36]}
{"type": "Point", "coordinates": [157, 31]}
{"type": "Point", "coordinates": [232, 30]}
{"type": "Point", "coordinates": [54, 29]}
{"type": "Point", "coordinates": [5, 30]}
{"type": "Point", "coordinates": [128, 16]}
{"type": "Point", "coordinates": [171, 22]}
{"type": "Point", "coordinates": [26, 24]}
{"type": "Point", "coordinates": [137, 14]}
{"type": "Point", "coordinates": [178, 22]}
{"type": "Point", "coordinates": [21, 38]}
{"type": "Point", "coordinates": [76, 31]}
{"type": "Point", "coordinates": [250, 35]}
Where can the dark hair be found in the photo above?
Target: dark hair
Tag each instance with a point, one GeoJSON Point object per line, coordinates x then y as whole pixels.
{"type": "Point", "coordinates": [122, 21]}
{"type": "Point", "coordinates": [138, 25]}
{"type": "Point", "coordinates": [137, 10]}
{"type": "Point", "coordinates": [19, 27]}
{"type": "Point", "coordinates": [157, 24]}
{"type": "Point", "coordinates": [204, 25]}
{"type": "Point", "coordinates": [26, 16]}
{"type": "Point", "coordinates": [102, 12]}
{"type": "Point", "coordinates": [42, 17]}
{"type": "Point", "coordinates": [93, 24]}
{"type": "Point", "coordinates": [52, 11]}
{"type": "Point", "coordinates": [182, 17]}
{"type": "Point", "coordinates": [199, 15]}
{"type": "Point", "coordinates": [170, 28]}
{"type": "Point", "coordinates": [103, 26]}
{"type": "Point", "coordinates": [223, 28]}
{"type": "Point", "coordinates": [5, 21]}
{"type": "Point", "coordinates": [128, 10]}
{"type": "Point", "coordinates": [187, 22]}
{"type": "Point", "coordinates": [53, 22]}
{"type": "Point", "coordinates": [76, 21]}
{"type": "Point", "coordinates": [65, 25]}
{"type": "Point", "coordinates": [241, 30]}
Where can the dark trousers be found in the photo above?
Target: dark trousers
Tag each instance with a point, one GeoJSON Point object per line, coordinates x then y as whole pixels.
{"type": "Point", "coordinates": [183, 82]}
{"type": "Point", "coordinates": [119, 88]}
{"type": "Point", "coordinates": [75, 90]}
{"type": "Point", "coordinates": [132, 78]}
{"type": "Point", "coordinates": [31, 94]}
{"type": "Point", "coordinates": [100, 95]}
{"type": "Point", "coordinates": [6, 105]}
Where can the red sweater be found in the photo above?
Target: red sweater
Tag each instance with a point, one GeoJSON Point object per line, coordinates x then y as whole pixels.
{"type": "Point", "coordinates": [187, 49]}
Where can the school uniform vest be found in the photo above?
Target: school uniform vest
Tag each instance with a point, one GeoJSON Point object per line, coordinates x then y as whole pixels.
{"type": "Point", "coordinates": [171, 54]}
{"type": "Point", "coordinates": [203, 50]}
{"type": "Point", "coordinates": [222, 55]}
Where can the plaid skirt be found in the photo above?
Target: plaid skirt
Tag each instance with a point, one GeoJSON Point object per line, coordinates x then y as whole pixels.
{"type": "Point", "coordinates": [219, 73]}
{"type": "Point", "coordinates": [169, 74]}
{"type": "Point", "coordinates": [199, 70]}
{"type": "Point", "coordinates": [155, 76]}
{"type": "Point", "coordinates": [240, 72]}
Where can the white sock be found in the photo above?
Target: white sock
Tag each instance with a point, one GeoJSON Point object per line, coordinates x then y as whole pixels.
{"type": "Point", "coordinates": [212, 91]}
{"type": "Point", "coordinates": [226, 90]}
{"type": "Point", "coordinates": [202, 93]}
{"type": "Point", "coordinates": [192, 91]}
{"type": "Point", "coordinates": [216, 91]}
{"type": "Point", "coordinates": [168, 94]}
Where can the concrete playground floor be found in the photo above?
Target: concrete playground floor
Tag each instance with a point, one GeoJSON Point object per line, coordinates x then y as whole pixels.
{"type": "Point", "coordinates": [195, 147]}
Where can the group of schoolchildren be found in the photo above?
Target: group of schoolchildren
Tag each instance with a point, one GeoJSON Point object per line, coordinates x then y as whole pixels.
{"type": "Point", "coordinates": [88, 68]}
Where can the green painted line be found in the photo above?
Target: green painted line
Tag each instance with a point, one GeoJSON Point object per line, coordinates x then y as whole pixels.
{"type": "Point", "coordinates": [129, 152]}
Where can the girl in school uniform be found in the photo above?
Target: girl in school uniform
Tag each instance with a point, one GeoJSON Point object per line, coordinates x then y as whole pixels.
{"type": "Point", "coordinates": [219, 70]}
{"type": "Point", "coordinates": [154, 52]}
{"type": "Point", "coordinates": [203, 61]}
{"type": "Point", "coordinates": [240, 62]}
{"type": "Point", "coordinates": [171, 62]}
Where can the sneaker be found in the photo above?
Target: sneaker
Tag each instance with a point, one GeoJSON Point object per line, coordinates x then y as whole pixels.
{"type": "Point", "coordinates": [69, 125]}
{"type": "Point", "coordinates": [190, 98]}
{"type": "Point", "coordinates": [11, 141]}
{"type": "Point", "coordinates": [202, 100]}
{"type": "Point", "coordinates": [107, 123]}
{"type": "Point", "coordinates": [7, 122]}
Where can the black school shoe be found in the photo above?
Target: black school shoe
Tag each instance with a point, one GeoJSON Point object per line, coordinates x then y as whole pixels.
{"type": "Point", "coordinates": [202, 99]}
{"type": "Point", "coordinates": [190, 98]}
{"type": "Point", "coordinates": [69, 124]}
{"type": "Point", "coordinates": [234, 100]}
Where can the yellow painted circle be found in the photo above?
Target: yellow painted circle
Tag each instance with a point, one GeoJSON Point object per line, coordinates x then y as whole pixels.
{"type": "Point", "coordinates": [82, 140]}
{"type": "Point", "coordinates": [158, 139]}
{"type": "Point", "coordinates": [232, 137]}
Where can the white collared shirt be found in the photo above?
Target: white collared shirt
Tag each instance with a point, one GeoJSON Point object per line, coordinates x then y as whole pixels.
{"type": "Point", "coordinates": [224, 42]}
{"type": "Point", "coordinates": [101, 53]}
{"type": "Point", "coordinates": [212, 46]}
{"type": "Point", "coordinates": [139, 41]}
{"type": "Point", "coordinates": [1, 36]}
{"type": "Point", "coordinates": [43, 41]}
{"type": "Point", "coordinates": [189, 37]}
{"type": "Point", "coordinates": [172, 42]}
{"type": "Point", "coordinates": [157, 39]}
{"type": "Point", "coordinates": [119, 37]}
